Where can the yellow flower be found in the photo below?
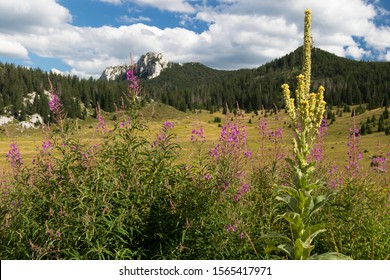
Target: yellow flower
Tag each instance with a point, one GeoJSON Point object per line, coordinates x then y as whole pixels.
{"type": "Point", "coordinates": [307, 45]}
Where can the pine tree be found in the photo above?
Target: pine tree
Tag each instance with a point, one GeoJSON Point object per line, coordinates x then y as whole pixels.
{"type": "Point", "coordinates": [363, 129]}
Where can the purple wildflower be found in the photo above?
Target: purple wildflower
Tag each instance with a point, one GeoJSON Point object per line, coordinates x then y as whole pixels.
{"type": "Point", "coordinates": [14, 157]}
{"type": "Point", "coordinates": [317, 152]}
{"type": "Point", "coordinates": [241, 191]}
{"type": "Point", "coordinates": [379, 163]}
{"type": "Point", "coordinates": [248, 154]}
{"type": "Point", "coordinates": [225, 186]}
{"type": "Point", "coordinates": [132, 79]}
{"type": "Point", "coordinates": [335, 180]}
{"type": "Point", "coordinates": [55, 104]}
{"type": "Point", "coordinates": [197, 135]}
{"type": "Point", "coordinates": [46, 145]}
{"type": "Point", "coordinates": [230, 228]}
{"type": "Point", "coordinates": [101, 124]}
{"type": "Point", "coordinates": [207, 177]}
{"type": "Point", "coordinates": [168, 125]}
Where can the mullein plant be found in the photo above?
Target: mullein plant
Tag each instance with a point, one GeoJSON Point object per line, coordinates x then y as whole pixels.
{"type": "Point", "coordinates": [306, 112]}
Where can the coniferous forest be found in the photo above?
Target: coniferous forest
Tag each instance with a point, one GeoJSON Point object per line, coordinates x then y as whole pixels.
{"type": "Point", "coordinates": [194, 86]}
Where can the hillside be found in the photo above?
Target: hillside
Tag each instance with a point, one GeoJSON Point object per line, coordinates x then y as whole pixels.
{"type": "Point", "coordinates": [191, 86]}
{"type": "Point", "coordinates": [194, 85]}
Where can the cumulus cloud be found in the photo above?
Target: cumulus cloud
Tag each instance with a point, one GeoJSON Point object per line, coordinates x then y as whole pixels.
{"type": "Point", "coordinates": [23, 16]}
{"type": "Point", "coordinates": [12, 49]}
{"type": "Point", "coordinates": [172, 5]}
{"type": "Point", "coordinates": [238, 33]}
{"type": "Point", "coordinates": [179, 6]}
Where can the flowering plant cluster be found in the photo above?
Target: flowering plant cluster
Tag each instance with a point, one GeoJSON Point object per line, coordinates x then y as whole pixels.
{"type": "Point", "coordinates": [306, 112]}
{"type": "Point", "coordinates": [126, 194]}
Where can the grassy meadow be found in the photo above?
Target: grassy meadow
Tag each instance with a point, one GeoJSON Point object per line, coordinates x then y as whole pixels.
{"type": "Point", "coordinates": [146, 191]}
{"type": "Point", "coordinates": [155, 114]}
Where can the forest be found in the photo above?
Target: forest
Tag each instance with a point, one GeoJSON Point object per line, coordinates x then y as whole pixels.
{"type": "Point", "coordinates": [192, 86]}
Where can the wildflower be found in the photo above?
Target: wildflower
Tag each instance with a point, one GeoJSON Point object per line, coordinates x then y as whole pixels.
{"type": "Point", "coordinates": [241, 191]}
{"type": "Point", "coordinates": [14, 157]}
{"type": "Point", "coordinates": [101, 124]}
{"type": "Point", "coordinates": [230, 228]}
{"type": "Point", "coordinates": [335, 180]}
{"type": "Point", "coordinates": [225, 186]}
{"type": "Point", "coordinates": [132, 79]}
{"type": "Point", "coordinates": [316, 154]}
{"type": "Point", "coordinates": [46, 145]}
{"type": "Point", "coordinates": [55, 104]}
{"type": "Point", "coordinates": [247, 154]}
{"type": "Point", "coordinates": [207, 177]}
{"type": "Point", "coordinates": [197, 135]}
{"type": "Point", "coordinates": [160, 138]}
{"type": "Point", "coordinates": [241, 235]}
{"type": "Point", "coordinates": [379, 163]}
{"type": "Point", "coordinates": [168, 125]}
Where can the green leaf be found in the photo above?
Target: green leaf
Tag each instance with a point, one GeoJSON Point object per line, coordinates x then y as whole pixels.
{"type": "Point", "coordinates": [276, 235]}
{"type": "Point", "coordinates": [295, 221]}
{"type": "Point", "coordinates": [290, 161]}
{"type": "Point", "coordinates": [290, 201]}
{"type": "Point", "coordinates": [288, 249]}
{"type": "Point", "coordinates": [330, 256]}
{"type": "Point", "coordinates": [319, 202]}
{"type": "Point", "coordinates": [307, 241]}
{"type": "Point", "coordinates": [302, 249]}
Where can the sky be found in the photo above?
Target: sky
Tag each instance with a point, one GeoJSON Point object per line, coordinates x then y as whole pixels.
{"type": "Point", "coordinates": [83, 37]}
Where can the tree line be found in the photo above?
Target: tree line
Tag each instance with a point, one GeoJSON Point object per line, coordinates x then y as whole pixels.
{"type": "Point", "coordinates": [192, 86]}
{"type": "Point", "coordinates": [24, 91]}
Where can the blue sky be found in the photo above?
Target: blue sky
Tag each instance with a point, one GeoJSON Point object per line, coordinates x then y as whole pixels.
{"type": "Point", "coordinates": [82, 37]}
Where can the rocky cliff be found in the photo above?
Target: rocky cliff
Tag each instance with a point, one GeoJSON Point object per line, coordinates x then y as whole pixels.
{"type": "Point", "coordinates": [149, 66]}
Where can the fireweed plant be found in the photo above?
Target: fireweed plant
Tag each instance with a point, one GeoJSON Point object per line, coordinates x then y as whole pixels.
{"type": "Point", "coordinates": [112, 199]}
{"type": "Point", "coordinates": [306, 112]}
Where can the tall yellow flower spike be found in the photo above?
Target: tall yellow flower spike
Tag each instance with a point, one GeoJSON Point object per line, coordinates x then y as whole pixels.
{"type": "Point", "coordinates": [308, 112]}
{"type": "Point", "coordinates": [307, 46]}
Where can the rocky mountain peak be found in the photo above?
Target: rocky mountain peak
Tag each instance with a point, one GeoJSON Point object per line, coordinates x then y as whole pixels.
{"type": "Point", "coordinates": [111, 73]}
{"type": "Point", "coordinates": [149, 66]}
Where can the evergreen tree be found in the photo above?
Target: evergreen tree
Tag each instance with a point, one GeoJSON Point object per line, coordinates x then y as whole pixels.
{"type": "Point", "coordinates": [363, 129]}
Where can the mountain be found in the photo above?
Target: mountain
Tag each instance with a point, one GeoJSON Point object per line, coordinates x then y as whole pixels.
{"type": "Point", "coordinates": [149, 66]}
{"type": "Point", "coordinates": [113, 73]}
{"type": "Point", "coordinates": [193, 85]}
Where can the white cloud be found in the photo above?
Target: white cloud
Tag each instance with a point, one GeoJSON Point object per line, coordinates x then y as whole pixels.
{"type": "Point", "coordinates": [356, 52]}
{"type": "Point", "coordinates": [240, 33]}
{"type": "Point", "coordinates": [179, 6]}
{"type": "Point", "coordinates": [12, 48]}
{"type": "Point", "coordinates": [172, 5]}
{"type": "Point", "coordinates": [127, 19]}
{"type": "Point", "coordinates": [23, 16]}
{"type": "Point", "coordinates": [387, 56]}
{"type": "Point", "coordinates": [115, 2]}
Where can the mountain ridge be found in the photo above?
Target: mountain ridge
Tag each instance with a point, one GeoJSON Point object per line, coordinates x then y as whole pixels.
{"type": "Point", "coordinates": [192, 85]}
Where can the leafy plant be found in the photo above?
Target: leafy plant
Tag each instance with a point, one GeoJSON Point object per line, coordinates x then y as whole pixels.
{"type": "Point", "coordinates": [300, 198]}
